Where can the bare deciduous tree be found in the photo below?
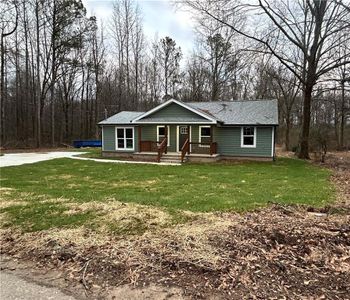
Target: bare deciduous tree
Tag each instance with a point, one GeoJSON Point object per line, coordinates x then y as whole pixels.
{"type": "Point", "coordinates": [169, 60]}
{"type": "Point", "coordinates": [8, 27]}
{"type": "Point", "coordinates": [309, 30]}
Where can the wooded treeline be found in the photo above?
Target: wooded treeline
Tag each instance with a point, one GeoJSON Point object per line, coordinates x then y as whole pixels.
{"type": "Point", "coordinates": [62, 72]}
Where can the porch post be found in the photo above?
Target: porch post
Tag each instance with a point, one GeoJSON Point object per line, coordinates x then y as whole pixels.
{"type": "Point", "coordinates": [139, 131]}
{"type": "Point", "coordinates": [166, 136]}
{"type": "Point", "coordinates": [188, 137]}
{"type": "Point", "coordinates": [211, 139]}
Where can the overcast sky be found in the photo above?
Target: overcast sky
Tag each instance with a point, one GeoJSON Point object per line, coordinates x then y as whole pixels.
{"type": "Point", "coordinates": [159, 16]}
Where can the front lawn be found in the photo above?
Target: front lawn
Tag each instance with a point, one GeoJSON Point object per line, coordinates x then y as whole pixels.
{"type": "Point", "coordinates": [53, 193]}
{"type": "Point", "coordinates": [90, 152]}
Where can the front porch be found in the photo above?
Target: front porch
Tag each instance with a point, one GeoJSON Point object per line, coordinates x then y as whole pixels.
{"type": "Point", "coordinates": [177, 142]}
{"type": "Point", "coordinates": [175, 157]}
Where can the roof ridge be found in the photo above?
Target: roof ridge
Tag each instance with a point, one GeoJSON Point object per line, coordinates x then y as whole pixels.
{"type": "Point", "coordinates": [133, 111]}
{"type": "Point", "coordinates": [233, 101]}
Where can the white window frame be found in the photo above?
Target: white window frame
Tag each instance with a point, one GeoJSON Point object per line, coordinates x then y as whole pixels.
{"type": "Point", "coordinates": [168, 131]}
{"type": "Point", "coordinates": [200, 136]}
{"type": "Point", "coordinates": [133, 139]}
{"type": "Point", "coordinates": [242, 138]}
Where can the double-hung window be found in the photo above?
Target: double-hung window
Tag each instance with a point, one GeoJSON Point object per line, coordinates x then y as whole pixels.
{"type": "Point", "coordinates": [161, 134]}
{"type": "Point", "coordinates": [248, 137]}
{"type": "Point", "coordinates": [204, 135]}
{"type": "Point", "coordinates": [125, 138]}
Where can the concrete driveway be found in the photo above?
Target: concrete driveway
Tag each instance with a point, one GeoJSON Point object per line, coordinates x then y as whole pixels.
{"type": "Point", "coordinates": [16, 159]}
{"type": "Point", "coordinates": [13, 287]}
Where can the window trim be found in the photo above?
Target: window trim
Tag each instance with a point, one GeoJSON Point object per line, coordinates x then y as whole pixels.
{"type": "Point", "coordinates": [160, 126]}
{"type": "Point", "coordinates": [133, 138]}
{"type": "Point", "coordinates": [200, 135]}
{"type": "Point", "coordinates": [242, 137]}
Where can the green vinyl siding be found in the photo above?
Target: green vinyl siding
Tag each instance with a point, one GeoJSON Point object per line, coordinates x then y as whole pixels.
{"type": "Point", "coordinates": [229, 142]}
{"type": "Point", "coordinates": [228, 139]}
{"type": "Point", "coordinates": [194, 133]}
{"type": "Point", "coordinates": [175, 111]}
{"type": "Point", "coordinates": [172, 147]}
{"type": "Point", "coordinates": [109, 139]}
{"type": "Point", "coordinates": [149, 133]}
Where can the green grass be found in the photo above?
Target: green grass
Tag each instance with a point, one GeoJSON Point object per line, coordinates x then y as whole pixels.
{"type": "Point", "coordinates": [90, 152]}
{"type": "Point", "coordinates": [96, 153]}
{"type": "Point", "coordinates": [190, 187]}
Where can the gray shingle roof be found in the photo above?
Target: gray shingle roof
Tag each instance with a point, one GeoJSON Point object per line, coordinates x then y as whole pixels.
{"type": "Point", "coordinates": [248, 112]}
{"type": "Point", "coordinates": [124, 117]}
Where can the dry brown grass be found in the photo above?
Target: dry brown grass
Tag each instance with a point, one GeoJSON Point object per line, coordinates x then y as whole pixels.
{"type": "Point", "coordinates": [189, 241]}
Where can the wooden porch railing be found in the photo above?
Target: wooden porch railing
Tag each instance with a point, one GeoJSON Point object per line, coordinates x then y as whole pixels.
{"type": "Point", "coordinates": [185, 149]}
{"type": "Point", "coordinates": [162, 148]}
{"type": "Point", "coordinates": [213, 148]}
{"type": "Point", "coordinates": [149, 146]}
{"type": "Point", "coordinates": [204, 148]}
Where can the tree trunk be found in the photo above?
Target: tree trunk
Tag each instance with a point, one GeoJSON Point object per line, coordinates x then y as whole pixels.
{"type": "Point", "coordinates": [54, 72]}
{"type": "Point", "coordinates": [336, 120]}
{"type": "Point", "coordinates": [2, 92]}
{"type": "Point", "coordinates": [82, 104]}
{"type": "Point", "coordinates": [305, 131]}
{"type": "Point", "coordinates": [336, 125]}
{"type": "Point", "coordinates": [287, 134]}
{"type": "Point", "coordinates": [27, 111]}
{"type": "Point", "coordinates": [97, 99]}
{"type": "Point", "coordinates": [18, 104]}
{"type": "Point", "coordinates": [342, 118]}
{"type": "Point", "coordinates": [38, 83]}
{"type": "Point", "coordinates": [87, 124]}
{"type": "Point", "coordinates": [71, 130]}
{"type": "Point", "coordinates": [166, 74]}
{"type": "Point", "coordinates": [66, 120]}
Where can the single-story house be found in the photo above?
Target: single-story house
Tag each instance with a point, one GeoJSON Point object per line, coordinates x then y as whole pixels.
{"type": "Point", "coordinates": [197, 131]}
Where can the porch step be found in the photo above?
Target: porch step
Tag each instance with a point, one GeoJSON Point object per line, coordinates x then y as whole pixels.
{"type": "Point", "coordinates": [171, 159]}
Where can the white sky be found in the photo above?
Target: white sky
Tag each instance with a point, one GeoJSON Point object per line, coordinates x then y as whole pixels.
{"type": "Point", "coordinates": [159, 17]}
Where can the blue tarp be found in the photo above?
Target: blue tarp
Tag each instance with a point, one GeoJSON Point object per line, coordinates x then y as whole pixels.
{"type": "Point", "coordinates": [87, 143]}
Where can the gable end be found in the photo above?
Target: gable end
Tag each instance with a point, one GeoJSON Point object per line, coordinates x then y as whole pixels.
{"type": "Point", "coordinates": [174, 111]}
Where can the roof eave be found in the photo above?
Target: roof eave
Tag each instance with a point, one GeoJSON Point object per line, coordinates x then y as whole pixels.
{"type": "Point", "coordinates": [175, 122]}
